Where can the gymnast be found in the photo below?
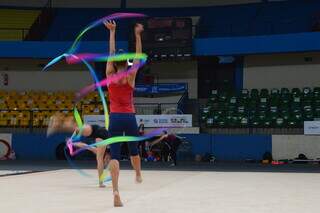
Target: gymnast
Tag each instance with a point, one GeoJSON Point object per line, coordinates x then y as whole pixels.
{"type": "Point", "coordinates": [60, 123]}
{"type": "Point", "coordinates": [122, 112]}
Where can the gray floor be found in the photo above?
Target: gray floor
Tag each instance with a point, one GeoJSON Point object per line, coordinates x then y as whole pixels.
{"type": "Point", "coordinates": [189, 188]}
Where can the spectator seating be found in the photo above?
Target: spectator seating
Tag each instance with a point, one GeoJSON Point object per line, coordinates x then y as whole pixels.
{"type": "Point", "coordinates": [25, 109]}
{"type": "Point", "coordinates": [282, 108]}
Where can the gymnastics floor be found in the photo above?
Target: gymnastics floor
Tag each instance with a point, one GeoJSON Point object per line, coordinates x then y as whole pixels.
{"type": "Point", "coordinates": [218, 189]}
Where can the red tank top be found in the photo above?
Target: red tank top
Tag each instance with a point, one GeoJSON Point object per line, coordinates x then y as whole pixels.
{"type": "Point", "coordinates": [121, 98]}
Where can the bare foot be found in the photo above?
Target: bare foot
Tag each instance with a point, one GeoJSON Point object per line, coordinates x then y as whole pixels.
{"type": "Point", "coordinates": [116, 199]}
{"type": "Point", "coordinates": [138, 179]}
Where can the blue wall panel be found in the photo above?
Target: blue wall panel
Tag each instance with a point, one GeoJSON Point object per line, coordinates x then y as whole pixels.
{"type": "Point", "coordinates": [36, 146]}
{"type": "Point", "coordinates": [40, 49]}
{"type": "Point", "coordinates": [201, 143]}
{"type": "Point", "coordinates": [224, 147]}
{"type": "Point", "coordinates": [298, 42]}
{"type": "Point", "coordinates": [240, 147]}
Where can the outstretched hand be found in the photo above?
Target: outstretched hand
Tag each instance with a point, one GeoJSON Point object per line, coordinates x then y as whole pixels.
{"type": "Point", "coordinates": [110, 25]}
{"type": "Point", "coordinates": [138, 29]}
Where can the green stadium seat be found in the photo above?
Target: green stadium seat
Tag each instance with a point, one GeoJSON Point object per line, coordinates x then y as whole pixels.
{"type": "Point", "coordinates": [285, 115]}
{"type": "Point", "coordinates": [256, 109]}
{"type": "Point", "coordinates": [244, 94]}
{"type": "Point", "coordinates": [296, 104]}
{"type": "Point", "coordinates": [307, 106]}
{"type": "Point", "coordinates": [222, 106]}
{"type": "Point", "coordinates": [214, 92]}
{"type": "Point", "coordinates": [252, 105]}
{"type": "Point", "coordinates": [232, 103]}
{"type": "Point", "coordinates": [244, 122]}
{"type": "Point", "coordinates": [264, 93]}
{"type": "Point", "coordinates": [280, 123]}
{"type": "Point", "coordinates": [263, 105]}
{"type": "Point", "coordinates": [274, 92]}
{"type": "Point", "coordinates": [273, 115]}
{"type": "Point", "coordinates": [214, 106]}
{"type": "Point", "coordinates": [205, 113]}
{"type": "Point", "coordinates": [223, 96]}
{"type": "Point", "coordinates": [306, 102]}
{"type": "Point", "coordinates": [217, 114]}
{"type": "Point", "coordinates": [306, 92]}
{"type": "Point", "coordinates": [256, 122]}
{"type": "Point", "coordinates": [316, 113]}
{"type": "Point", "coordinates": [296, 92]}
{"type": "Point", "coordinates": [232, 119]}
{"type": "Point", "coordinates": [242, 112]}
{"type": "Point", "coordinates": [292, 122]}
{"type": "Point", "coordinates": [254, 94]}
{"type": "Point", "coordinates": [221, 122]}
{"type": "Point", "coordinates": [296, 120]}
{"type": "Point", "coordinates": [213, 97]}
{"type": "Point", "coordinates": [308, 116]}
{"type": "Point", "coordinates": [267, 122]}
{"type": "Point", "coordinates": [316, 92]}
{"type": "Point", "coordinates": [209, 122]}
{"type": "Point", "coordinates": [285, 91]}
{"type": "Point", "coordinates": [274, 102]}
{"type": "Point", "coordinates": [285, 96]}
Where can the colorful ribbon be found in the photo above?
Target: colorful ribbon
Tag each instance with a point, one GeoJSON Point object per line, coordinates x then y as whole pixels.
{"type": "Point", "coordinates": [119, 139]}
{"type": "Point", "coordinates": [94, 24]}
{"type": "Point", "coordinates": [84, 58]}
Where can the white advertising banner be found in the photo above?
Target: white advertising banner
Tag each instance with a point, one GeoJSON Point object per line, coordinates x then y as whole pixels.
{"type": "Point", "coordinates": [312, 127]}
{"type": "Point", "coordinates": [150, 121]}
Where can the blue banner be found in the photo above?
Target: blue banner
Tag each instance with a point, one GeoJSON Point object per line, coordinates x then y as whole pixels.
{"type": "Point", "coordinates": [161, 88]}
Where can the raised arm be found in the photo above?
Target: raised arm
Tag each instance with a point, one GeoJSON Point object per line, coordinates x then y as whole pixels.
{"type": "Point", "coordinates": [111, 26]}
{"type": "Point", "coordinates": [137, 32]}
{"type": "Point", "coordinates": [138, 29]}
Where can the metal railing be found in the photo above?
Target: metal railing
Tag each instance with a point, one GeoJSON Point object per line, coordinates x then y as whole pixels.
{"type": "Point", "coordinates": [36, 120]}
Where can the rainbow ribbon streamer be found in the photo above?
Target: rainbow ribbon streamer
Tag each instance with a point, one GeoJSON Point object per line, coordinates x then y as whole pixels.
{"type": "Point", "coordinates": [120, 139]}
{"type": "Point", "coordinates": [96, 23]}
{"type": "Point", "coordinates": [76, 58]}
{"type": "Point", "coordinates": [84, 58]}
{"type": "Point", "coordinates": [142, 58]}
{"type": "Point", "coordinates": [93, 74]}
{"type": "Point", "coordinates": [113, 78]}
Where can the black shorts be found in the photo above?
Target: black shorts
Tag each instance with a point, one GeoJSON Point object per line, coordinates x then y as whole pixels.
{"type": "Point", "coordinates": [120, 124]}
{"type": "Point", "coordinates": [98, 132]}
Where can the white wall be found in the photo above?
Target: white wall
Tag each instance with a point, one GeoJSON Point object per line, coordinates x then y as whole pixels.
{"type": "Point", "coordinates": [281, 70]}
{"type": "Point", "coordinates": [290, 146]}
{"type": "Point", "coordinates": [26, 74]}
{"type": "Point", "coordinates": [178, 72]}
{"type": "Point", "coordinates": [170, 99]}
{"type": "Point", "coordinates": [46, 81]}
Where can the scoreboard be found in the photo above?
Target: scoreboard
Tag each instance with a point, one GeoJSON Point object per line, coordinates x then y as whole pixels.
{"type": "Point", "coordinates": [166, 38]}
